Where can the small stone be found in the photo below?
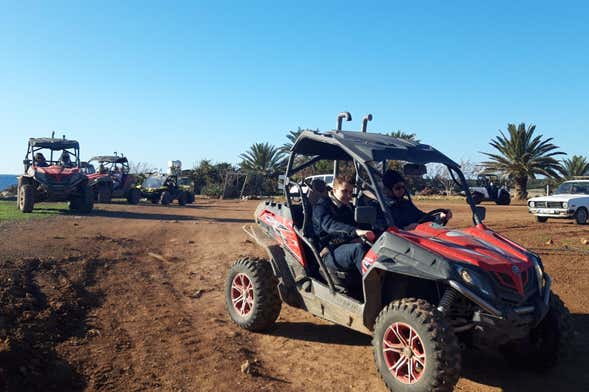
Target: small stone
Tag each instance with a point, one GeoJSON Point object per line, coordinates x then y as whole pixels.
{"type": "Point", "coordinates": [549, 242]}
{"type": "Point", "coordinates": [246, 367]}
{"type": "Point", "coordinates": [584, 241]}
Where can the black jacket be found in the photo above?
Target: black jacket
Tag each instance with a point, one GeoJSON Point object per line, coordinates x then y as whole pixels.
{"type": "Point", "coordinates": [333, 224]}
{"type": "Point", "coordinates": [405, 212]}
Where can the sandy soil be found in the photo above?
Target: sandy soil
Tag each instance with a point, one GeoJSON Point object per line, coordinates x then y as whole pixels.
{"type": "Point", "coordinates": [131, 299]}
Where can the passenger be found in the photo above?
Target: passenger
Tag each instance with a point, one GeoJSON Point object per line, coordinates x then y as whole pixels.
{"type": "Point", "coordinates": [334, 226]}
{"type": "Point", "coordinates": [40, 160]}
{"type": "Point", "coordinates": [405, 214]}
{"type": "Point", "coordinates": [65, 160]}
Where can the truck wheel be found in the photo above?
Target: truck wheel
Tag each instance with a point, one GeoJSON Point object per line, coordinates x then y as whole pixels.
{"type": "Point", "coordinates": [166, 198]}
{"type": "Point", "coordinates": [581, 216]}
{"type": "Point", "coordinates": [504, 199]}
{"type": "Point", "coordinates": [547, 343]}
{"type": "Point", "coordinates": [26, 198]}
{"type": "Point", "coordinates": [414, 348]}
{"type": "Point", "coordinates": [251, 294]}
{"type": "Point", "coordinates": [541, 219]}
{"type": "Point", "coordinates": [477, 197]}
{"type": "Point", "coordinates": [191, 198]}
{"type": "Point", "coordinates": [103, 195]}
{"type": "Point", "coordinates": [133, 196]}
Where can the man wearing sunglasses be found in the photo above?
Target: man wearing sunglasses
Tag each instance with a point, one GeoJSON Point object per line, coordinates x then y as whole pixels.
{"type": "Point", "coordinates": [406, 215]}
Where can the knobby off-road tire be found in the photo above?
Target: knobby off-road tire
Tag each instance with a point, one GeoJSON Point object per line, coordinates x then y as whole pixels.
{"type": "Point", "coordinates": [546, 344]}
{"type": "Point", "coordinates": [414, 348]}
{"type": "Point", "coordinates": [86, 200]}
{"type": "Point", "coordinates": [541, 219]}
{"type": "Point", "coordinates": [183, 198]}
{"type": "Point", "coordinates": [165, 198]}
{"type": "Point", "coordinates": [504, 199]}
{"type": "Point", "coordinates": [84, 203]}
{"type": "Point", "coordinates": [134, 196]}
{"type": "Point", "coordinates": [103, 194]}
{"type": "Point", "coordinates": [26, 198]}
{"type": "Point", "coordinates": [581, 216]}
{"type": "Point", "coordinates": [251, 294]}
{"type": "Point", "coordinates": [477, 197]}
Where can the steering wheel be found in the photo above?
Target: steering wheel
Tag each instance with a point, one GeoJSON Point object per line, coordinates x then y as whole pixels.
{"type": "Point", "coordinates": [434, 216]}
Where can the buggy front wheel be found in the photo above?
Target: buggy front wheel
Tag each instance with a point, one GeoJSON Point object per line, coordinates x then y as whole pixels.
{"type": "Point", "coordinates": [414, 349]}
{"type": "Point", "coordinates": [251, 294]}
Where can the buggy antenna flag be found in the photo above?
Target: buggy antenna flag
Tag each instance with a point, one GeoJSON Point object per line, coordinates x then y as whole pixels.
{"type": "Point", "coordinates": [340, 117]}
{"type": "Point", "coordinates": [52, 134]}
{"type": "Point", "coordinates": [365, 120]}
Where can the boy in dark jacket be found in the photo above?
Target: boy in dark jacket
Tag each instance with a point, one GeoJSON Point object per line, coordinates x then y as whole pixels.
{"type": "Point", "coordinates": [405, 213]}
{"type": "Point", "coordinates": [334, 227]}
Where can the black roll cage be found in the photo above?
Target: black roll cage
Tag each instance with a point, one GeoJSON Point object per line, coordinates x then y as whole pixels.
{"type": "Point", "coordinates": [374, 175]}
{"type": "Point", "coordinates": [32, 150]}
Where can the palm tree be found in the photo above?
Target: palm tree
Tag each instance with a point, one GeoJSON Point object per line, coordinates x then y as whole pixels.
{"type": "Point", "coordinates": [522, 156]}
{"type": "Point", "coordinates": [292, 137]}
{"type": "Point", "coordinates": [411, 137]}
{"type": "Point", "coordinates": [262, 157]}
{"type": "Point", "coordinates": [576, 166]}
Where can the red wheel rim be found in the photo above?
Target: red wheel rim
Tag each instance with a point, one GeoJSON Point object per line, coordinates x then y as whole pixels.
{"type": "Point", "coordinates": [242, 295]}
{"type": "Point", "coordinates": [404, 353]}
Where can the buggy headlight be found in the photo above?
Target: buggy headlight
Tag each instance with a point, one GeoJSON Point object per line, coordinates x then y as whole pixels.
{"type": "Point", "coordinates": [532, 204]}
{"type": "Point", "coordinates": [475, 280]}
{"type": "Point", "coordinates": [565, 205]}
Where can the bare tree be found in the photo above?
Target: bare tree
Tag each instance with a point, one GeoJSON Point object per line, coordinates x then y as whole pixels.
{"type": "Point", "coordinates": [140, 167]}
{"type": "Point", "coordinates": [440, 174]}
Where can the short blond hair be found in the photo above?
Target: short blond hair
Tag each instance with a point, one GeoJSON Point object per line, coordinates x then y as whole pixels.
{"type": "Point", "coordinates": [341, 180]}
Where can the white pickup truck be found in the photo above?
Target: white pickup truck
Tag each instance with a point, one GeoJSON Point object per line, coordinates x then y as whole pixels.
{"type": "Point", "coordinates": [571, 200]}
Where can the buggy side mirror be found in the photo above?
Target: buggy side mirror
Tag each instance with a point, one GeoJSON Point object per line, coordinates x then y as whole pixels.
{"type": "Point", "coordinates": [412, 169]}
{"type": "Point", "coordinates": [282, 181]}
{"type": "Point", "coordinates": [365, 215]}
{"type": "Point", "coordinates": [481, 212]}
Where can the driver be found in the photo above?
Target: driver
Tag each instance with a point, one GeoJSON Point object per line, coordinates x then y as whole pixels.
{"type": "Point", "coordinates": [405, 214]}
{"type": "Point", "coordinates": [333, 225]}
{"type": "Point", "coordinates": [40, 160]}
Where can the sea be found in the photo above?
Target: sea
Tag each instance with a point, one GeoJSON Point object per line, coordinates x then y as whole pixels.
{"type": "Point", "coordinates": [7, 180]}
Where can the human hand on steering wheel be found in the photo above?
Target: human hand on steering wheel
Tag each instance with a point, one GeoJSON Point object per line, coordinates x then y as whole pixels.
{"type": "Point", "coordinates": [439, 215]}
{"type": "Point", "coordinates": [367, 235]}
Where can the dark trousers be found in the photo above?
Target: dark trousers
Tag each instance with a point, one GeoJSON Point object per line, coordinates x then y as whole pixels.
{"type": "Point", "coordinates": [346, 258]}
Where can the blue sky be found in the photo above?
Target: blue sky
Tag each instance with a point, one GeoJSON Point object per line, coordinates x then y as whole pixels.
{"type": "Point", "coordinates": [199, 80]}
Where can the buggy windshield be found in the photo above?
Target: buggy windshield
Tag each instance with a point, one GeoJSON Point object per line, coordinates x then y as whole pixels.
{"type": "Point", "coordinates": [154, 182]}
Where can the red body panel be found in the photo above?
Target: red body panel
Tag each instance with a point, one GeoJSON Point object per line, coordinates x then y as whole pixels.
{"type": "Point", "coordinates": [57, 172]}
{"type": "Point", "coordinates": [284, 233]}
{"type": "Point", "coordinates": [476, 245]}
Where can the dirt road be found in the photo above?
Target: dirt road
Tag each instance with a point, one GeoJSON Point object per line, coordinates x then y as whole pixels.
{"type": "Point", "coordinates": [131, 299]}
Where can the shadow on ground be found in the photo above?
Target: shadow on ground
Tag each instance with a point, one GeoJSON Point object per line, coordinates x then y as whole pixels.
{"type": "Point", "coordinates": [42, 306]}
{"type": "Point", "coordinates": [481, 367]}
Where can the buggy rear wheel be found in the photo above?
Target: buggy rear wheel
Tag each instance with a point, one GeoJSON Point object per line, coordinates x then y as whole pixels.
{"type": "Point", "coordinates": [251, 294]}
{"type": "Point", "coordinates": [166, 198]}
{"type": "Point", "coordinates": [26, 198]}
{"type": "Point", "coordinates": [133, 196]}
{"type": "Point", "coordinates": [504, 198]}
{"type": "Point", "coordinates": [414, 349]}
{"type": "Point", "coordinates": [103, 194]}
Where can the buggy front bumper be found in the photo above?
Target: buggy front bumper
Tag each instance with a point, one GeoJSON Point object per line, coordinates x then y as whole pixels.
{"type": "Point", "coordinates": [506, 316]}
